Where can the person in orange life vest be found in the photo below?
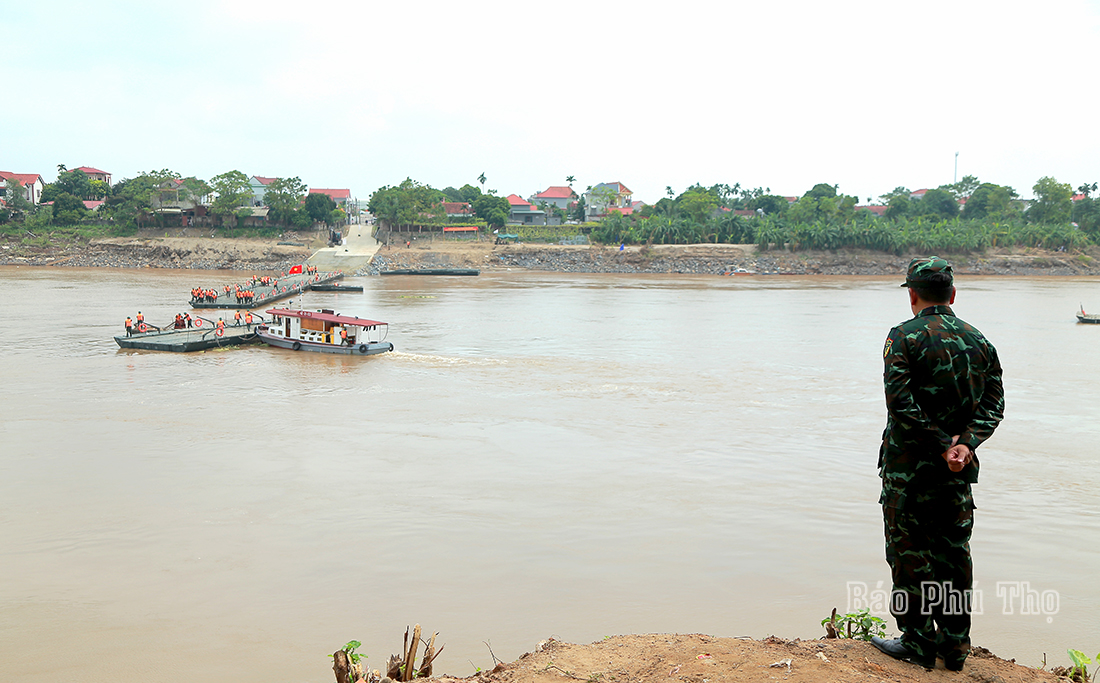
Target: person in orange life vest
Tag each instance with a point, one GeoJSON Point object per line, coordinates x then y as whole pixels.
{"type": "Point", "coordinates": [248, 318]}
{"type": "Point", "coordinates": [140, 318]}
{"type": "Point", "coordinates": [344, 336]}
{"type": "Point", "coordinates": [237, 318]}
{"type": "Point", "coordinates": [129, 327]}
{"type": "Point", "coordinates": [187, 318]}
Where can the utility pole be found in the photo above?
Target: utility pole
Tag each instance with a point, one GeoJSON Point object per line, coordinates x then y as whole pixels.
{"type": "Point", "coordinates": [956, 178]}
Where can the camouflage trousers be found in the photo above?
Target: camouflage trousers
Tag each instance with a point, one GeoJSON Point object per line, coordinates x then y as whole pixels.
{"type": "Point", "coordinates": [928, 550]}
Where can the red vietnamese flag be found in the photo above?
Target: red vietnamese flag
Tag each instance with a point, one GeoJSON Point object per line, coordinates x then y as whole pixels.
{"type": "Point", "coordinates": [296, 270]}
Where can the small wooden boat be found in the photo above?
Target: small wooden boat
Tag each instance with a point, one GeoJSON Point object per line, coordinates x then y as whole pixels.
{"type": "Point", "coordinates": [324, 331]}
{"type": "Point", "coordinates": [205, 336]}
{"type": "Point", "coordinates": [1083, 317]}
{"type": "Point", "coordinates": [432, 271]}
{"type": "Point", "coordinates": [732, 270]}
{"type": "Point", "coordinates": [336, 287]}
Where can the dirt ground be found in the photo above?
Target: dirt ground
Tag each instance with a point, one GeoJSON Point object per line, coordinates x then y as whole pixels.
{"type": "Point", "coordinates": [714, 258]}
{"type": "Point", "coordinates": [696, 658]}
{"type": "Point", "coordinates": [244, 249]}
{"type": "Point", "coordinates": [458, 253]}
{"type": "Point", "coordinates": [470, 253]}
{"type": "Point", "coordinates": [193, 248]}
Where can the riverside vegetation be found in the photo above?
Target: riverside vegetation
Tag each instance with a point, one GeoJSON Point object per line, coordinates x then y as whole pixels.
{"type": "Point", "coordinates": [992, 217]}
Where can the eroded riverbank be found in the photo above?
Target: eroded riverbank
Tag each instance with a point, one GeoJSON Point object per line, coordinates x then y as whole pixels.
{"type": "Point", "coordinates": [217, 253]}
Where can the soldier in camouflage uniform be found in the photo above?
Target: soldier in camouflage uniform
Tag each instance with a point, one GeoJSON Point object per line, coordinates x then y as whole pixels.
{"type": "Point", "coordinates": [943, 397]}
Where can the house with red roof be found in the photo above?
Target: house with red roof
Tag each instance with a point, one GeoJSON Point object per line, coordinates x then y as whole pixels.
{"type": "Point", "coordinates": [459, 210]}
{"type": "Point", "coordinates": [173, 198]}
{"type": "Point", "coordinates": [340, 196]}
{"type": "Point", "coordinates": [606, 198]}
{"type": "Point", "coordinates": [259, 184]}
{"type": "Point", "coordinates": [94, 174]}
{"type": "Point", "coordinates": [524, 212]}
{"type": "Point", "coordinates": [31, 182]}
{"type": "Point", "coordinates": [558, 196]}
{"type": "Point", "coordinates": [876, 209]}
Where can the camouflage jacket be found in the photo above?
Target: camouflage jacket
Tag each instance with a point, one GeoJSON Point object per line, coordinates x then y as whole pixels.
{"type": "Point", "coordinates": [942, 379]}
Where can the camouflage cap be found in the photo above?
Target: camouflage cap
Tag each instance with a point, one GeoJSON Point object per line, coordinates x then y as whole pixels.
{"type": "Point", "coordinates": [924, 269]}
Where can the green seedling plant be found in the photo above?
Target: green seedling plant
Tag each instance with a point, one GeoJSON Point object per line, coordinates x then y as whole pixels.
{"type": "Point", "coordinates": [1079, 672]}
{"type": "Point", "coordinates": [351, 647]}
{"type": "Point", "coordinates": [859, 625]}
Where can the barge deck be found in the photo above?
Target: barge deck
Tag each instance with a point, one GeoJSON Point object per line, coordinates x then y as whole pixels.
{"type": "Point", "coordinates": [285, 286]}
{"type": "Point", "coordinates": [190, 339]}
{"type": "Point", "coordinates": [431, 271]}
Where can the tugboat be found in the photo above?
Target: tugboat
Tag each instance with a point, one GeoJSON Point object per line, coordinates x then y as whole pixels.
{"type": "Point", "coordinates": [1083, 317]}
{"type": "Point", "coordinates": [325, 332]}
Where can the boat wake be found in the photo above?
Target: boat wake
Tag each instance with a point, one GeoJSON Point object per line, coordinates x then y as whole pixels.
{"type": "Point", "coordinates": [445, 361]}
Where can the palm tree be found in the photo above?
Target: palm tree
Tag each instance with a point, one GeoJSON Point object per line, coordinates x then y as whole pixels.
{"type": "Point", "coordinates": [61, 169]}
{"type": "Point", "coordinates": [570, 179]}
{"type": "Point", "coordinates": [481, 179]}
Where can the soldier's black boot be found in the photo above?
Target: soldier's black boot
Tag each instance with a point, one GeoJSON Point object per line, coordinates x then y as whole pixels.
{"type": "Point", "coordinates": [897, 649]}
{"type": "Point", "coordinates": [952, 658]}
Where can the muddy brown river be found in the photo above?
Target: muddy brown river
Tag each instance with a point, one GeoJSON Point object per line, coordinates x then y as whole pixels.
{"type": "Point", "coordinates": [543, 454]}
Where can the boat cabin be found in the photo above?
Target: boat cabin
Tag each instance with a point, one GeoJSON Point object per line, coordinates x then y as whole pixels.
{"type": "Point", "coordinates": [320, 327]}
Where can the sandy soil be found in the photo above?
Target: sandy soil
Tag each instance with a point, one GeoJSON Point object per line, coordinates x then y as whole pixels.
{"type": "Point", "coordinates": [696, 658]}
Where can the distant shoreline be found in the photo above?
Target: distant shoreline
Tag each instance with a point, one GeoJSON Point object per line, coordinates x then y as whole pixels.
{"type": "Point", "coordinates": [718, 259]}
{"type": "Point", "coordinates": [205, 253]}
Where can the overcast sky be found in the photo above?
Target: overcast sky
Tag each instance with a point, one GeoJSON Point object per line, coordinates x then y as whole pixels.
{"type": "Point", "coordinates": [865, 95]}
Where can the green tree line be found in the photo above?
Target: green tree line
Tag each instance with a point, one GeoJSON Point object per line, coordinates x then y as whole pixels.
{"type": "Point", "coordinates": [990, 216]}
{"type": "Point", "coordinates": [133, 202]}
{"type": "Point", "coordinates": [413, 203]}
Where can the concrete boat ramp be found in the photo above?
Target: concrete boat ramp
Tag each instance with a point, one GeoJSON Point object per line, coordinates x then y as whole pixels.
{"type": "Point", "coordinates": [356, 252]}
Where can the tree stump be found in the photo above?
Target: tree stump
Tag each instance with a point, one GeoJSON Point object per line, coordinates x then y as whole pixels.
{"type": "Point", "coordinates": [341, 667]}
